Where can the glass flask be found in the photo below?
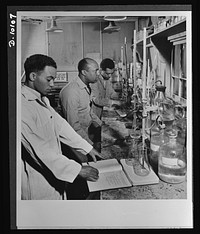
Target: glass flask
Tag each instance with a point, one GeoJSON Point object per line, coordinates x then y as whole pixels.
{"type": "Point", "coordinates": [138, 156]}
{"type": "Point", "coordinates": [132, 144]}
{"type": "Point", "coordinates": [165, 107]}
{"type": "Point", "coordinates": [172, 160]}
{"type": "Point", "coordinates": [156, 126]}
{"type": "Point", "coordinates": [133, 141]}
{"type": "Point", "coordinates": [156, 141]}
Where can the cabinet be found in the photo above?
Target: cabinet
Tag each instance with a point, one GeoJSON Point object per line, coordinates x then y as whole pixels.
{"type": "Point", "coordinates": [166, 52]}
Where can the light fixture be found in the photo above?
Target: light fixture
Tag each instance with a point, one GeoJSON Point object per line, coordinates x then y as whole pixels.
{"type": "Point", "coordinates": [111, 28]}
{"type": "Point", "coordinates": [54, 27]}
{"type": "Point", "coordinates": [114, 18]}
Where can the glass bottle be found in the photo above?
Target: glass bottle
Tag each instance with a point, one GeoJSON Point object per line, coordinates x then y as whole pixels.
{"type": "Point", "coordinates": [165, 107]}
{"type": "Point", "coordinates": [156, 141]}
{"type": "Point", "coordinates": [172, 160]}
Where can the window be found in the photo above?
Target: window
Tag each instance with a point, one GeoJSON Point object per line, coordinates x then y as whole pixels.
{"type": "Point", "coordinates": [178, 67]}
{"type": "Point", "coordinates": [179, 70]}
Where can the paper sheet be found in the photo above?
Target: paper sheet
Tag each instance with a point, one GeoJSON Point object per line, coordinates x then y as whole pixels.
{"type": "Point", "coordinates": [151, 178]}
{"type": "Point", "coordinates": [111, 176]}
{"type": "Point", "coordinates": [109, 180]}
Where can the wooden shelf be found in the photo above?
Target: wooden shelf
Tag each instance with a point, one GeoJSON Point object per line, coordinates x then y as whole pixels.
{"type": "Point", "coordinates": [166, 32]}
{"type": "Point", "coordinates": [163, 43]}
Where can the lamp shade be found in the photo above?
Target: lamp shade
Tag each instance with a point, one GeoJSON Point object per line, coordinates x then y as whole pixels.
{"type": "Point", "coordinates": [54, 27]}
{"type": "Point", "coordinates": [111, 28]}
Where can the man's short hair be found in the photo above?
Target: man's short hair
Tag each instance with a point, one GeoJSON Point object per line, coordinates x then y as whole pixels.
{"type": "Point", "coordinates": [37, 63]}
{"type": "Point", "coordinates": [107, 63]}
{"type": "Point", "coordinates": [84, 64]}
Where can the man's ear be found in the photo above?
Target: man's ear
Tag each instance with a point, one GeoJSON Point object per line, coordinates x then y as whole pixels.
{"type": "Point", "coordinates": [32, 76]}
{"type": "Point", "coordinates": [83, 72]}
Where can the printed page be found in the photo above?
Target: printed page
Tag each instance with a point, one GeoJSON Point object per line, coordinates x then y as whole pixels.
{"type": "Point", "coordinates": [106, 165]}
{"type": "Point", "coordinates": [109, 180]}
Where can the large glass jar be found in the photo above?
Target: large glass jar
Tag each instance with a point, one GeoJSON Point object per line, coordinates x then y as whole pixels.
{"type": "Point", "coordinates": [156, 141]}
{"type": "Point", "coordinates": [165, 107]}
{"type": "Point", "coordinates": [172, 160]}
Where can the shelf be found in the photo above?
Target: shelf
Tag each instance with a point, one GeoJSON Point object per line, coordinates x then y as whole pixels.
{"type": "Point", "coordinates": [178, 27]}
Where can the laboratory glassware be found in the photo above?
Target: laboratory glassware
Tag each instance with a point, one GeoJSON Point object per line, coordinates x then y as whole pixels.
{"type": "Point", "coordinates": [156, 141]}
{"type": "Point", "coordinates": [172, 160]}
{"type": "Point", "coordinates": [165, 107]}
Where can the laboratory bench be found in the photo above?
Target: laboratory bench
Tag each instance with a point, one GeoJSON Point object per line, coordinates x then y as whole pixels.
{"type": "Point", "coordinates": [114, 131]}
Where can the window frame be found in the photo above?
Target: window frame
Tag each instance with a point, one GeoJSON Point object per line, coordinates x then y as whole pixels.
{"type": "Point", "coordinates": [179, 90]}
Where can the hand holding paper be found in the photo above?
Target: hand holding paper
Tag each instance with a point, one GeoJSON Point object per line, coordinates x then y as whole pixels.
{"type": "Point", "coordinates": [89, 173]}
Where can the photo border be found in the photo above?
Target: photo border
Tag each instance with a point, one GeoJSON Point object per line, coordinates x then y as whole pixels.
{"type": "Point", "coordinates": [128, 214]}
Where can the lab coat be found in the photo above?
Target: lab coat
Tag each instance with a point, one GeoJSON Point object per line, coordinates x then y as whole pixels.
{"type": "Point", "coordinates": [45, 172]}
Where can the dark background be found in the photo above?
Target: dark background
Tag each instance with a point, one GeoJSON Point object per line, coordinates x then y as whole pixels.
{"type": "Point", "coordinates": [8, 92]}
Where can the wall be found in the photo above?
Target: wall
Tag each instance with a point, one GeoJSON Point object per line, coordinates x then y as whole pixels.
{"type": "Point", "coordinates": [92, 42]}
{"type": "Point", "coordinates": [78, 40]}
{"type": "Point", "coordinates": [66, 47]}
{"type": "Point", "coordinates": [33, 40]}
{"type": "Point", "coordinates": [112, 43]}
{"type": "Point", "coordinates": [85, 39]}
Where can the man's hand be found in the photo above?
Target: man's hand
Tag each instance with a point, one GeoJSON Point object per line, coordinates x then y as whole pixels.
{"type": "Point", "coordinates": [89, 173]}
{"type": "Point", "coordinates": [93, 153]}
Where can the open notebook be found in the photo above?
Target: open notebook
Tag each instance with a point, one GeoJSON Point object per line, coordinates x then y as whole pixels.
{"type": "Point", "coordinates": [113, 174]}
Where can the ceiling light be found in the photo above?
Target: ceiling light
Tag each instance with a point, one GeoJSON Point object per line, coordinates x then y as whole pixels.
{"type": "Point", "coordinates": [111, 28]}
{"type": "Point", "coordinates": [54, 27]}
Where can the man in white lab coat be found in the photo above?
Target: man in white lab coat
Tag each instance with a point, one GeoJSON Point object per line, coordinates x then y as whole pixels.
{"type": "Point", "coordinates": [44, 169]}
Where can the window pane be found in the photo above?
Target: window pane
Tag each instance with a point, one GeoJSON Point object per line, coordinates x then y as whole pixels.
{"type": "Point", "coordinates": [183, 91]}
{"type": "Point", "coordinates": [177, 59]}
{"type": "Point", "coordinates": [183, 60]}
{"type": "Point", "coordinates": [175, 85]}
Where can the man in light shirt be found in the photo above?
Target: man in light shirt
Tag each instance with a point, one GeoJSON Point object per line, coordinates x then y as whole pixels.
{"type": "Point", "coordinates": [102, 90]}
{"type": "Point", "coordinates": [45, 170]}
{"type": "Point", "coordinates": [75, 100]}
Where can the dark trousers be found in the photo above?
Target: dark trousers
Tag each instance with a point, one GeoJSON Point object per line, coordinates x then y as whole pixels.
{"type": "Point", "coordinates": [94, 134]}
{"type": "Point", "coordinates": [78, 190]}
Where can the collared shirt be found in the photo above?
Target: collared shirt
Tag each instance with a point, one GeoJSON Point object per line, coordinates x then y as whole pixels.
{"type": "Point", "coordinates": [102, 91]}
{"type": "Point", "coordinates": [42, 128]}
{"type": "Point", "coordinates": [75, 101]}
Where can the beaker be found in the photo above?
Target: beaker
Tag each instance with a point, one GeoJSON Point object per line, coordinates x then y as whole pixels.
{"type": "Point", "coordinates": [138, 158]}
